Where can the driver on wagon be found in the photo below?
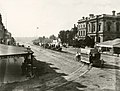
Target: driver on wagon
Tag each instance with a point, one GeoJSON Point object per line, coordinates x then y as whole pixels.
{"type": "Point", "coordinates": [78, 56]}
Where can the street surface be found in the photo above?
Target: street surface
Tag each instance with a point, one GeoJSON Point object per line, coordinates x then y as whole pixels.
{"type": "Point", "coordinates": [60, 72]}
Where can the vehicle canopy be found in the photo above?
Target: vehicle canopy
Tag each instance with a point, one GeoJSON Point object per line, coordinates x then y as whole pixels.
{"type": "Point", "coordinates": [89, 50]}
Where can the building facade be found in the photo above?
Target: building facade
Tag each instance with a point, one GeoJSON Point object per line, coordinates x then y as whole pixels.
{"type": "Point", "coordinates": [5, 36]}
{"type": "Point", "coordinates": [2, 32]}
{"type": "Point", "coordinates": [82, 28]}
{"type": "Point", "coordinates": [100, 27]}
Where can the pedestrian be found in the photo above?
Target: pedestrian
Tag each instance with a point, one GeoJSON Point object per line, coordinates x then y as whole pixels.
{"type": "Point", "coordinates": [78, 56]}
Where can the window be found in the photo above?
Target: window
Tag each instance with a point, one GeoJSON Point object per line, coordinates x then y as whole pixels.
{"type": "Point", "coordinates": [93, 27]}
{"type": "Point", "coordinates": [99, 27]}
{"type": "Point", "coordinates": [89, 27]}
{"type": "Point", "coordinates": [108, 26]}
{"type": "Point", "coordinates": [117, 26]}
{"type": "Point", "coordinates": [84, 33]}
{"type": "Point", "coordinates": [84, 25]}
{"type": "Point", "coordinates": [78, 26]}
{"type": "Point", "coordinates": [81, 33]}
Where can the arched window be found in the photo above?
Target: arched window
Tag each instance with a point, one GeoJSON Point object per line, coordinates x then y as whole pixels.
{"type": "Point", "coordinates": [81, 33]}
{"type": "Point", "coordinates": [117, 26]}
{"type": "Point", "coordinates": [93, 27]}
{"type": "Point", "coordinates": [108, 26]}
{"type": "Point", "coordinates": [99, 39]}
{"type": "Point", "coordinates": [89, 27]}
{"type": "Point", "coordinates": [99, 27]}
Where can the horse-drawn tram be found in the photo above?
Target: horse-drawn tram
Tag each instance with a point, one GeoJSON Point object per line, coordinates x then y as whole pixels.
{"type": "Point", "coordinates": [91, 56]}
{"type": "Point", "coordinates": [12, 52]}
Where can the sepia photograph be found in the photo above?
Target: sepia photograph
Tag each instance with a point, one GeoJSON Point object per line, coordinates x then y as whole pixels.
{"type": "Point", "coordinates": [59, 45]}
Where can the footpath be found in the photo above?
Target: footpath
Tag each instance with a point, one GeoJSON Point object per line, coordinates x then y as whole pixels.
{"type": "Point", "coordinates": [108, 58]}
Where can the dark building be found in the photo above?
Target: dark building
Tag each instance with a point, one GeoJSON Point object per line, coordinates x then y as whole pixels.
{"type": "Point", "coordinates": [5, 36]}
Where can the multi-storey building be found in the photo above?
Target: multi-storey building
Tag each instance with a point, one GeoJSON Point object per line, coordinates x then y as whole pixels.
{"type": "Point", "coordinates": [100, 27]}
{"type": "Point", "coordinates": [82, 28]}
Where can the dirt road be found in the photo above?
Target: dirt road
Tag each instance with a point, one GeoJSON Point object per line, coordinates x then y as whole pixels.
{"type": "Point", "coordinates": [58, 71]}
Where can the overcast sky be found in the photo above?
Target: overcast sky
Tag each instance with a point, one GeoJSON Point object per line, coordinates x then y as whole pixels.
{"type": "Point", "coordinates": [22, 17]}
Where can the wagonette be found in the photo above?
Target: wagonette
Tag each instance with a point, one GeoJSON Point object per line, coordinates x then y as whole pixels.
{"type": "Point", "coordinates": [91, 56]}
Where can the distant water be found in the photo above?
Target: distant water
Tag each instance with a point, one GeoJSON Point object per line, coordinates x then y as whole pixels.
{"type": "Point", "coordinates": [25, 39]}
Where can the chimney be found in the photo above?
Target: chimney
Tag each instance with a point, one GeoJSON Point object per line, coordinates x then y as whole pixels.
{"type": "Point", "coordinates": [91, 15]}
{"type": "Point", "coordinates": [83, 17]}
{"type": "Point", "coordinates": [113, 13]}
{"type": "Point", "coordinates": [74, 26]}
{"type": "Point", "coordinates": [86, 18]}
{"type": "Point", "coordinates": [118, 14]}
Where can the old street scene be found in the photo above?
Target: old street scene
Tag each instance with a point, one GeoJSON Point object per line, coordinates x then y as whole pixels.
{"type": "Point", "coordinates": [70, 45]}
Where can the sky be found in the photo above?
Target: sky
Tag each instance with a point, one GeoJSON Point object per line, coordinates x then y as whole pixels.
{"type": "Point", "coordinates": [34, 18]}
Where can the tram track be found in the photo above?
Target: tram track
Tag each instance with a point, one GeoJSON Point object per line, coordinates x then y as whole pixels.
{"type": "Point", "coordinates": [79, 72]}
{"type": "Point", "coordinates": [83, 69]}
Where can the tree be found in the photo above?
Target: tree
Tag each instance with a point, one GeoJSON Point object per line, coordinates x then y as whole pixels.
{"type": "Point", "coordinates": [53, 37]}
{"type": "Point", "coordinates": [62, 35]}
{"type": "Point", "coordinates": [89, 41]}
{"type": "Point", "coordinates": [68, 35]}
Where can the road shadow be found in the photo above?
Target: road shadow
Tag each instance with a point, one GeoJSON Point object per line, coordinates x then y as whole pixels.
{"type": "Point", "coordinates": [67, 52]}
{"type": "Point", "coordinates": [46, 79]}
{"type": "Point", "coordinates": [109, 66]}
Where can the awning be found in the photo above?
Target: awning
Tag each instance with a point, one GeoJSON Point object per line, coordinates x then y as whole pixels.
{"type": "Point", "coordinates": [110, 43]}
{"type": "Point", "coordinates": [8, 51]}
{"type": "Point", "coordinates": [117, 45]}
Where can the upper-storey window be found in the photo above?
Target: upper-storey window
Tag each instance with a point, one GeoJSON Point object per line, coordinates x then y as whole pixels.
{"type": "Point", "coordinates": [83, 33]}
{"type": "Point", "coordinates": [84, 25]}
{"type": "Point", "coordinates": [89, 27]}
{"type": "Point", "coordinates": [117, 26]}
{"type": "Point", "coordinates": [81, 25]}
{"type": "Point", "coordinates": [79, 33]}
{"type": "Point", "coordinates": [78, 26]}
{"type": "Point", "coordinates": [93, 27]}
{"type": "Point", "coordinates": [99, 27]}
{"type": "Point", "coordinates": [108, 26]}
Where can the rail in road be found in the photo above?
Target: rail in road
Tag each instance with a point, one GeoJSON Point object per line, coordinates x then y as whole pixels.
{"type": "Point", "coordinates": [74, 76]}
{"type": "Point", "coordinates": [83, 69]}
